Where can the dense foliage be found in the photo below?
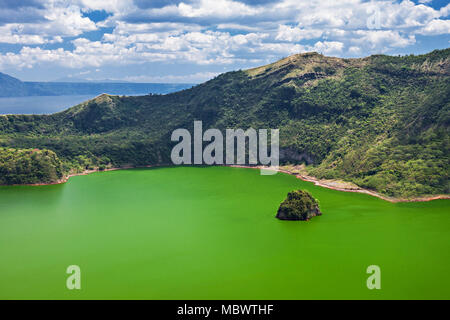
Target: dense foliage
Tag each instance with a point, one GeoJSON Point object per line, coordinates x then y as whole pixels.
{"type": "Point", "coordinates": [381, 122]}
{"type": "Point", "coordinates": [29, 166]}
{"type": "Point", "coordinates": [299, 205]}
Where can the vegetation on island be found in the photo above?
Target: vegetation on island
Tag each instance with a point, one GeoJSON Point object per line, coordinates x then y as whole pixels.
{"type": "Point", "coordinates": [299, 205]}
{"type": "Point", "coordinates": [381, 122]}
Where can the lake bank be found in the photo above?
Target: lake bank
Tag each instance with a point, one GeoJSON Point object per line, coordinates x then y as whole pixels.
{"type": "Point", "coordinates": [340, 185]}
{"type": "Point", "coordinates": [337, 185]}
{"type": "Point", "coordinates": [346, 186]}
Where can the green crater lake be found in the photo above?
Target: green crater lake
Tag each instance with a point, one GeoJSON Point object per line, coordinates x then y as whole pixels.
{"type": "Point", "coordinates": [211, 233]}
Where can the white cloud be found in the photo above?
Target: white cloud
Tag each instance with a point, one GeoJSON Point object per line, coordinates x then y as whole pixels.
{"type": "Point", "coordinates": [115, 6]}
{"type": "Point", "coordinates": [216, 8]}
{"type": "Point", "coordinates": [329, 47]}
{"type": "Point", "coordinates": [295, 34]}
{"type": "Point", "coordinates": [383, 39]}
{"type": "Point", "coordinates": [236, 26]}
{"type": "Point", "coordinates": [11, 33]}
{"type": "Point", "coordinates": [216, 32]}
{"type": "Point", "coordinates": [406, 14]}
{"type": "Point", "coordinates": [189, 78]}
{"type": "Point", "coordinates": [167, 28]}
{"type": "Point", "coordinates": [445, 11]}
{"type": "Point", "coordinates": [354, 50]}
{"type": "Point", "coordinates": [194, 47]}
{"type": "Point", "coordinates": [66, 21]}
{"type": "Point", "coordinates": [58, 22]}
{"type": "Point", "coordinates": [435, 27]}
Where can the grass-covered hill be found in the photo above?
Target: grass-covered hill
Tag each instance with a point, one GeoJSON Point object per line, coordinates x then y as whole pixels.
{"type": "Point", "coordinates": [381, 122]}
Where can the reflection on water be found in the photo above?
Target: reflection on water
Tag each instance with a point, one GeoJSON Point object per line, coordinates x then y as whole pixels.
{"type": "Point", "coordinates": [27, 198]}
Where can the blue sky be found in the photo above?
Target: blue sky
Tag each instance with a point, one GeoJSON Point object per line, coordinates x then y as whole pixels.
{"type": "Point", "coordinates": [194, 40]}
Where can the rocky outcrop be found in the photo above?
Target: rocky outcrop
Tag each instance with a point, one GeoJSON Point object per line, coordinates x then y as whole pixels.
{"type": "Point", "coordinates": [299, 205]}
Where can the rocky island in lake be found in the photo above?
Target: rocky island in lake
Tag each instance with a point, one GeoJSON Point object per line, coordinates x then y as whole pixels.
{"type": "Point", "coordinates": [299, 205]}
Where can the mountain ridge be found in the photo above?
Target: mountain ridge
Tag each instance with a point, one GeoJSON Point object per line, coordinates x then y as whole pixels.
{"type": "Point", "coordinates": [381, 122]}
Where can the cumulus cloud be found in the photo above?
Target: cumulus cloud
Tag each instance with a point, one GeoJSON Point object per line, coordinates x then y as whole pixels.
{"type": "Point", "coordinates": [329, 47]}
{"type": "Point", "coordinates": [217, 8]}
{"type": "Point", "coordinates": [445, 11]}
{"type": "Point", "coordinates": [383, 39]}
{"type": "Point", "coordinates": [435, 27]}
{"type": "Point", "coordinates": [354, 50]}
{"type": "Point", "coordinates": [66, 21]}
{"type": "Point", "coordinates": [296, 34]}
{"type": "Point", "coordinates": [188, 78]}
{"type": "Point", "coordinates": [50, 24]}
{"type": "Point", "coordinates": [209, 32]}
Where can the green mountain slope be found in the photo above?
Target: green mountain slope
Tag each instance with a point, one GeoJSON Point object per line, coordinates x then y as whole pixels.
{"type": "Point", "coordinates": [381, 122]}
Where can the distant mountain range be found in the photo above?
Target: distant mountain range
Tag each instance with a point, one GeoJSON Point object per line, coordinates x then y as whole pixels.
{"type": "Point", "coordinates": [13, 87]}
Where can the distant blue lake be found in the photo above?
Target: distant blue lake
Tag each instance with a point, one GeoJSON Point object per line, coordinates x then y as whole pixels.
{"type": "Point", "coordinates": [40, 104]}
{"type": "Point", "coordinates": [51, 97]}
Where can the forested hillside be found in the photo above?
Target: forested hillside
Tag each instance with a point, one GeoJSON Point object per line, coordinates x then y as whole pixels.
{"type": "Point", "coordinates": [29, 166]}
{"type": "Point", "coordinates": [381, 122]}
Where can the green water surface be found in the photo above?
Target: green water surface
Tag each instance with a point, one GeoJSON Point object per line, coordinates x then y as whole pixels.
{"type": "Point", "coordinates": [211, 233]}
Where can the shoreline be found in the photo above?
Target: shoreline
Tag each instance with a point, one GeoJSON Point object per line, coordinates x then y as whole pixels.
{"type": "Point", "coordinates": [84, 173]}
{"type": "Point", "coordinates": [329, 184]}
{"type": "Point", "coordinates": [334, 185]}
